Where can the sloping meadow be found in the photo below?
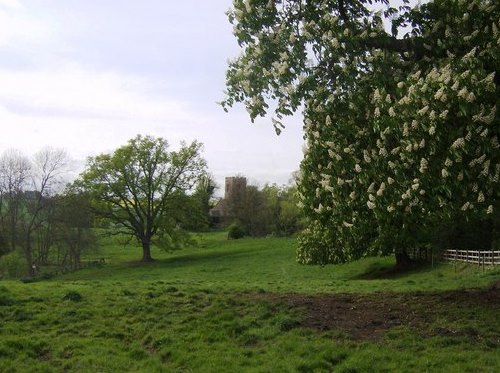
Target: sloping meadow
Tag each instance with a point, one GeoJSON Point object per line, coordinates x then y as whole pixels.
{"type": "Point", "coordinates": [245, 305]}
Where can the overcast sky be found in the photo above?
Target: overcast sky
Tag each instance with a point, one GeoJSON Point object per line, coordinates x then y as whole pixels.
{"type": "Point", "coordinates": [89, 75]}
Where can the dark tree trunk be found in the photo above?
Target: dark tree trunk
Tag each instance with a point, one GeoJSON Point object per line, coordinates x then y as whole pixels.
{"type": "Point", "coordinates": [29, 261]}
{"type": "Point", "coordinates": [403, 261]}
{"type": "Point", "coordinates": [146, 251]}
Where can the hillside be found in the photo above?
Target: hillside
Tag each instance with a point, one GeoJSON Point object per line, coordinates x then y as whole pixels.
{"type": "Point", "coordinates": [245, 305]}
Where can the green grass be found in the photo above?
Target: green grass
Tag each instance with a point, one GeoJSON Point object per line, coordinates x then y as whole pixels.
{"type": "Point", "coordinates": [204, 309]}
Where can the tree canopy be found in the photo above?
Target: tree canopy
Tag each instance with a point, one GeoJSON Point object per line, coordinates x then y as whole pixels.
{"type": "Point", "coordinates": [401, 126]}
{"type": "Point", "coordinates": [140, 187]}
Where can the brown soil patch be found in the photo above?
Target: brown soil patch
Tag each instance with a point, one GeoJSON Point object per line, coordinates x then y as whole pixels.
{"type": "Point", "coordinates": [368, 317]}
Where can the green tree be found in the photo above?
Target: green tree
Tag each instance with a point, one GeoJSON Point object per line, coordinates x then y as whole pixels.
{"type": "Point", "coordinates": [202, 199]}
{"type": "Point", "coordinates": [137, 187]}
{"type": "Point", "coordinates": [286, 216]}
{"type": "Point", "coordinates": [401, 127]}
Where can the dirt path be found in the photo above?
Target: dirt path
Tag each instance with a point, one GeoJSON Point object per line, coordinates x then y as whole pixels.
{"type": "Point", "coordinates": [368, 317]}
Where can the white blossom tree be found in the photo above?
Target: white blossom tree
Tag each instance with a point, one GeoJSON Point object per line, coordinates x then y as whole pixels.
{"type": "Point", "coordinates": [401, 127]}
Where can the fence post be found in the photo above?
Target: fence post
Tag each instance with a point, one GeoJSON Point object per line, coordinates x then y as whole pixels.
{"type": "Point", "coordinates": [455, 261]}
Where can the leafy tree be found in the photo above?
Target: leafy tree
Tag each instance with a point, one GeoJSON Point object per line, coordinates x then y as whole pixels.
{"type": "Point", "coordinates": [286, 215]}
{"type": "Point", "coordinates": [401, 127]}
{"type": "Point", "coordinates": [259, 212]}
{"type": "Point", "coordinates": [202, 202]}
{"type": "Point", "coordinates": [137, 187]}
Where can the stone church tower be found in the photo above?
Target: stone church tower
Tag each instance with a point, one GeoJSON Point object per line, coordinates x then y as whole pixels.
{"type": "Point", "coordinates": [235, 186]}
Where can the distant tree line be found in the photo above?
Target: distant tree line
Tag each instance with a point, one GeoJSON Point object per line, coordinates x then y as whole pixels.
{"type": "Point", "coordinates": [142, 191]}
{"type": "Point", "coordinates": [41, 223]}
{"type": "Point", "coordinates": [271, 210]}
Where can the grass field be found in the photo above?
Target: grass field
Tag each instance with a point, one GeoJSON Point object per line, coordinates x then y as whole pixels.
{"type": "Point", "coordinates": [246, 306]}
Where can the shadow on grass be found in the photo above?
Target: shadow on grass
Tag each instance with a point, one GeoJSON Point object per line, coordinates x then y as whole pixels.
{"type": "Point", "coordinates": [191, 259]}
{"type": "Point", "coordinates": [387, 271]}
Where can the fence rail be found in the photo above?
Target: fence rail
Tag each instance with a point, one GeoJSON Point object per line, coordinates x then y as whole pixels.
{"type": "Point", "coordinates": [479, 257]}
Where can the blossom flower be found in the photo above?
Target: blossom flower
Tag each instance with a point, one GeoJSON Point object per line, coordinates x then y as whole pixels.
{"type": "Point", "coordinates": [395, 150]}
{"type": "Point", "coordinates": [423, 110]}
{"type": "Point", "coordinates": [443, 114]}
{"type": "Point", "coordinates": [357, 168]}
{"type": "Point", "coordinates": [392, 113]}
{"type": "Point", "coordinates": [439, 93]}
{"type": "Point", "coordinates": [444, 173]}
{"type": "Point", "coordinates": [470, 97]}
{"type": "Point", "coordinates": [480, 197]}
{"type": "Point", "coordinates": [463, 93]}
{"type": "Point", "coordinates": [353, 195]}
{"type": "Point", "coordinates": [458, 143]}
{"type": "Point", "coordinates": [370, 205]}
{"type": "Point", "coordinates": [490, 209]}
{"type": "Point", "coordinates": [390, 180]}
{"type": "Point", "coordinates": [371, 197]}
{"type": "Point", "coordinates": [319, 209]}
{"type": "Point", "coordinates": [346, 224]}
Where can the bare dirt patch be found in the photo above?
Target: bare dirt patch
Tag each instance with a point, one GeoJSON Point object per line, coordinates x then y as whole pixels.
{"type": "Point", "coordinates": [370, 316]}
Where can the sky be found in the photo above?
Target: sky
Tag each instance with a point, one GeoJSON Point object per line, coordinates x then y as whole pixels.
{"type": "Point", "coordinates": [89, 75]}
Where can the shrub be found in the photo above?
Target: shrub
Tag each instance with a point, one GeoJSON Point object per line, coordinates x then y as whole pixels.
{"type": "Point", "coordinates": [73, 296]}
{"type": "Point", "coordinates": [12, 265]}
{"type": "Point", "coordinates": [235, 231]}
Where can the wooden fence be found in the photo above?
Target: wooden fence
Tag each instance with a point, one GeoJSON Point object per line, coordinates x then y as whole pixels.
{"type": "Point", "coordinates": [479, 257]}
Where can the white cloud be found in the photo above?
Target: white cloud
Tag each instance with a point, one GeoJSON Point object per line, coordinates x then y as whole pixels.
{"type": "Point", "coordinates": [50, 96]}
{"type": "Point", "coordinates": [71, 91]}
{"type": "Point", "coordinates": [16, 4]}
{"type": "Point", "coordinates": [18, 28]}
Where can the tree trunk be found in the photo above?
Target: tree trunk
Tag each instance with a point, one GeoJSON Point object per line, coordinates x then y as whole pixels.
{"type": "Point", "coordinates": [403, 261]}
{"type": "Point", "coordinates": [29, 261]}
{"type": "Point", "coordinates": [146, 251]}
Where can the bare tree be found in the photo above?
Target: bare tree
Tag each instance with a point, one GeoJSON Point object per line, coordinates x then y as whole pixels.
{"type": "Point", "coordinates": [48, 169]}
{"type": "Point", "coordinates": [15, 171]}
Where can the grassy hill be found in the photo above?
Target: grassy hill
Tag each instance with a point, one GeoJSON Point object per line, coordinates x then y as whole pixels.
{"type": "Point", "coordinates": [245, 305]}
